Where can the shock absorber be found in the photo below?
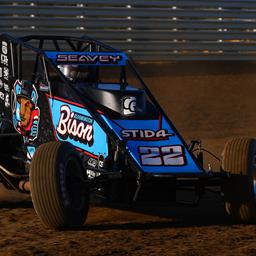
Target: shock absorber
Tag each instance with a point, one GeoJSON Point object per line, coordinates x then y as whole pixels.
{"type": "Point", "coordinates": [116, 158]}
{"type": "Point", "coordinates": [199, 155]}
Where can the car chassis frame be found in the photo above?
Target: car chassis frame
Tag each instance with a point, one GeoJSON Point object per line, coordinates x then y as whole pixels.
{"type": "Point", "coordinates": [150, 153]}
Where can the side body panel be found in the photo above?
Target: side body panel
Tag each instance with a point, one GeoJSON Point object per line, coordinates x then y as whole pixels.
{"type": "Point", "coordinates": [8, 75]}
{"type": "Point", "coordinates": [73, 123]}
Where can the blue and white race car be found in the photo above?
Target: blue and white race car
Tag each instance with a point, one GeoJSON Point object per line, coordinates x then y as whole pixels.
{"type": "Point", "coordinates": [83, 124]}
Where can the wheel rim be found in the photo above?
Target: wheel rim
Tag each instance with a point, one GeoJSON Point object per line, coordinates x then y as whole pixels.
{"type": "Point", "coordinates": [73, 182]}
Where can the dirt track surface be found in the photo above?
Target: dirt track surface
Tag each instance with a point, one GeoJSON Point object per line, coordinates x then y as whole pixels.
{"type": "Point", "coordinates": [209, 101]}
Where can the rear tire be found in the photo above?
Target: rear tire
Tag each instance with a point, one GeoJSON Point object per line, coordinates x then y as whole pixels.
{"type": "Point", "coordinates": [238, 161]}
{"type": "Point", "coordinates": [56, 174]}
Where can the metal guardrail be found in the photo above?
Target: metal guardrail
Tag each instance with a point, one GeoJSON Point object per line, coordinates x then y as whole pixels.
{"type": "Point", "coordinates": [147, 30]}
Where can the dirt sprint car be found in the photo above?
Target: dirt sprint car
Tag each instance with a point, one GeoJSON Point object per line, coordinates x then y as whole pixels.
{"type": "Point", "coordinates": [78, 122]}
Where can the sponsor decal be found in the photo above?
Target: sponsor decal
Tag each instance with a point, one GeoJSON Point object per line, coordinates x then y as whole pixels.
{"type": "Point", "coordinates": [97, 162]}
{"type": "Point", "coordinates": [129, 105]}
{"type": "Point", "coordinates": [7, 101]}
{"type": "Point", "coordinates": [162, 156]}
{"type": "Point", "coordinates": [4, 52]}
{"type": "Point", "coordinates": [88, 58]}
{"type": "Point", "coordinates": [4, 59]}
{"type": "Point", "coordinates": [6, 73]}
{"type": "Point", "coordinates": [30, 152]}
{"type": "Point", "coordinates": [92, 174]}
{"type": "Point", "coordinates": [26, 113]}
{"type": "Point", "coordinates": [1, 95]}
{"type": "Point", "coordinates": [4, 48]}
{"type": "Point", "coordinates": [146, 134]}
{"type": "Point", "coordinates": [1, 76]}
{"type": "Point", "coordinates": [75, 126]}
{"type": "Point", "coordinates": [92, 162]}
{"type": "Point", "coordinates": [6, 87]}
{"type": "Point", "coordinates": [101, 161]}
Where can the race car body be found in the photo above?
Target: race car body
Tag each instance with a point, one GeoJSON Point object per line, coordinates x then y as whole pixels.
{"type": "Point", "coordinates": [81, 119]}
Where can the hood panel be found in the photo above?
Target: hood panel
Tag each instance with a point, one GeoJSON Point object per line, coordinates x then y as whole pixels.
{"type": "Point", "coordinates": [154, 146]}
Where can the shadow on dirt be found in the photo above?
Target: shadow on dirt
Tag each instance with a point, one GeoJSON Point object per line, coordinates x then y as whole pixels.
{"type": "Point", "coordinates": [16, 204]}
{"type": "Point", "coordinates": [177, 220]}
{"type": "Point", "coordinates": [200, 222]}
{"type": "Point", "coordinates": [208, 213]}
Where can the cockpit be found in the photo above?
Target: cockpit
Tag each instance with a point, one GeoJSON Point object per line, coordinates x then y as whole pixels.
{"type": "Point", "coordinates": [79, 73]}
{"type": "Point", "coordinates": [112, 88]}
{"type": "Point", "coordinates": [106, 88]}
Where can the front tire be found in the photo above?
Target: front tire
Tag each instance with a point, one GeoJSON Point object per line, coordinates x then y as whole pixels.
{"type": "Point", "coordinates": [56, 176]}
{"type": "Point", "coordinates": [238, 161]}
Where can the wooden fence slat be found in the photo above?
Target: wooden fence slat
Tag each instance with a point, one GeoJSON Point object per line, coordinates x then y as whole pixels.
{"type": "Point", "coordinates": [68, 11]}
{"type": "Point", "coordinates": [150, 29]}
{"type": "Point", "coordinates": [248, 4]}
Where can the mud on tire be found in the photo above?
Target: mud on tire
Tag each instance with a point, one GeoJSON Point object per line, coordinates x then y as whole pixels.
{"type": "Point", "coordinates": [238, 160]}
{"type": "Point", "coordinates": [56, 174]}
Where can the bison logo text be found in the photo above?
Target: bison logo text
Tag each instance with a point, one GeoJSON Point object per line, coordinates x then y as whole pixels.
{"type": "Point", "coordinates": [75, 126]}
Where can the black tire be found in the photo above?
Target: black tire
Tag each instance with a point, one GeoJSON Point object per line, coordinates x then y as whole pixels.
{"type": "Point", "coordinates": [238, 160]}
{"type": "Point", "coordinates": [59, 199]}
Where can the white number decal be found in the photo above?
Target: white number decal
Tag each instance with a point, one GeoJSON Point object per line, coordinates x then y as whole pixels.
{"type": "Point", "coordinates": [150, 156]}
{"type": "Point", "coordinates": [172, 155]}
{"type": "Point", "coordinates": [167, 155]}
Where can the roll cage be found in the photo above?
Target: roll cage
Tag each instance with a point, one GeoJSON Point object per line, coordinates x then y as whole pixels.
{"type": "Point", "coordinates": [44, 46]}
